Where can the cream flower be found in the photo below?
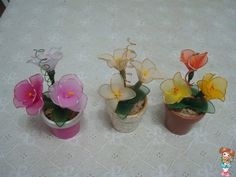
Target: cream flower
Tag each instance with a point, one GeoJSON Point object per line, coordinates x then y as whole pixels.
{"type": "Point", "coordinates": [175, 89]}
{"type": "Point", "coordinates": [146, 70]}
{"type": "Point", "coordinates": [116, 91]}
{"type": "Point", "coordinates": [119, 59]}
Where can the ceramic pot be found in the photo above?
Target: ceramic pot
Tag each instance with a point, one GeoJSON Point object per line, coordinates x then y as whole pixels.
{"type": "Point", "coordinates": [130, 123]}
{"type": "Point", "coordinates": [178, 123]}
{"type": "Point", "coordinates": [68, 130]}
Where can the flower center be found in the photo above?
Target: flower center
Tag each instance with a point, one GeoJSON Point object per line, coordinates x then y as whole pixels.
{"type": "Point", "coordinates": [120, 62]}
{"type": "Point", "coordinates": [117, 94]}
{"type": "Point", "coordinates": [145, 73]}
{"type": "Point", "coordinates": [176, 90]}
{"type": "Point", "coordinates": [30, 94]}
{"type": "Point", "coordinates": [70, 93]}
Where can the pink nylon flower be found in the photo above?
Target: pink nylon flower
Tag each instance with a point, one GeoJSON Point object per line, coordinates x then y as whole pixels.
{"type": "Point", "coordinates": [28, 94]}
{"type": "Point", "coordinates": [68, 93]}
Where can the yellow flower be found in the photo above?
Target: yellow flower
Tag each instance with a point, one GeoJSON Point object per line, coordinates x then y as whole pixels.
{"type": "Point", "coordinates": [146, 70]}
{"type": "Point", "coordinates": [119, 59]}
{"type": "Point", "coordinates": [213, 87]}
{"type": "Point", "coordinates": [116, 91]}
{"type": "Point", "coordinates": [175, 89]}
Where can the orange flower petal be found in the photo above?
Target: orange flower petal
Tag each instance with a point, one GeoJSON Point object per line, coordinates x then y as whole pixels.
{"type": "Point", "coordinates": [185, 55]}
{"type": "Point", "coordinates": [197, 61]}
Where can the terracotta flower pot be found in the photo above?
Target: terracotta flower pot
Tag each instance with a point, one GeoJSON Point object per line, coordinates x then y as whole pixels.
{"type": "Point", "coordinates": [178, 123]}
{"type": "Point", "coordinates": [68, 130]}
{"type": "Point", "coordinates": [130, 123]}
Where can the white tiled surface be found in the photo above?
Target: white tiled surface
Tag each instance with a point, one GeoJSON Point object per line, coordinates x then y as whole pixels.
{"type": "Point", "coordinates": [86, 28]}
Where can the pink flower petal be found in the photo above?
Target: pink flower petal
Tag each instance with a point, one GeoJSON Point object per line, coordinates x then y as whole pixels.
{"type": "Point", "coordinates": [67, 91]}
{"type": "Point", "coordinates": [71, 76]}
{"type": "Point", "coordinates": [71, 86]}
{"type": "Point", "coordinates": [37, 82]}
{"type": "Point", "coordinates": [67, 102]}
{"type": "Point", "coordinates": [22, 91]}
{"type": "Point", "coordinates": [53, 92]}
{"type": "Point", "coordinates": [17, 103]}
{"type": "Point", "coordinates": [35, 108]}
{"type": "Point", "coordinates": [80, 106]}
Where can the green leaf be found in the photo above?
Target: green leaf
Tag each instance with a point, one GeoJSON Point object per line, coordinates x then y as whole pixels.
{"type": "Point", "coordinates": [60, 116]}
{"type": "Point", "coordinates": [198, 104]}
{"type": "Point", "coordinates": [210, 107]}
{"type": "Point", "coordinates": [48, 103]}
{"type": "Point", "coordinates": [194, 90]}
{"type": "Point", "coordinates": [124, 107]}
{"type": "Point", "coordinates": [179, 105]}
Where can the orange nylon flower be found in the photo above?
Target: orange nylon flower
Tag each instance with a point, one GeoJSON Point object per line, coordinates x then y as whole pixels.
{"type": "Point", "coordinates": [193, 60]}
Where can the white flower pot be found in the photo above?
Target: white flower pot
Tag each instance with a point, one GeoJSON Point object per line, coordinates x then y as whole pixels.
{"type": "Point", "coordinates": [130, 123]}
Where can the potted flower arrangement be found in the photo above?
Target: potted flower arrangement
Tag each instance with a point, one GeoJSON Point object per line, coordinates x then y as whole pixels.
{"type": "Point", "coordinates": [127, 103]}
{"type": "Point", "coordinates": [62, 105]}
{"type": "Point", "coordinates": [186, 102]}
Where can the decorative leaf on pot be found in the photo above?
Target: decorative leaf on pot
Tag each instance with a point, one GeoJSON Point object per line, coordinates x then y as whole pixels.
{"type": "Point", "coordinates": [60, 116]}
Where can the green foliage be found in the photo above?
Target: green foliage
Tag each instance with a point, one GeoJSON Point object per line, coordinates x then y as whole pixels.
{"type": "Point", "coordinates": [196, 103]}
{"type": "Point", "coordinates": [124, 107]}
{"type": "Point", "coordinates": [59, 115]}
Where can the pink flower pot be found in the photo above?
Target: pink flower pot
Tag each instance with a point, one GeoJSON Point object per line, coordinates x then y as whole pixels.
{"type": "Point", "coordinates": [68, 130]}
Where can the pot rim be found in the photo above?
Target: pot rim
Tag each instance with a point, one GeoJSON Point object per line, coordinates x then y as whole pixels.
{"type": "Point", "coordinates": [67, 124]}
{"type": "Point", "coordinates": [188, 118]}
{"type": "Point", "coordinates": [133, 115]}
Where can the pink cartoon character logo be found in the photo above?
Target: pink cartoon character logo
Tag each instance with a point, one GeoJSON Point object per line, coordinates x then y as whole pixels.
{"type": "Point", "coordinates": [226, 159]}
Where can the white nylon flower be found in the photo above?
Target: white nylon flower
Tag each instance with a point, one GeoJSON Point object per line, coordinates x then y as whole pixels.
{"type": "Point", "coordinates": [46, 60]}
{"type": "Point", "coordinates": [146, 70]}
{"type": "Point", "coordinates": [116, 91]}
{"type": "Point", "coordinates": [119, 59]}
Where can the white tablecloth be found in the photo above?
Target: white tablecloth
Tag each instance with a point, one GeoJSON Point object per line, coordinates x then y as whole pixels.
{"type": "Point", "coordinates": [86, 28]}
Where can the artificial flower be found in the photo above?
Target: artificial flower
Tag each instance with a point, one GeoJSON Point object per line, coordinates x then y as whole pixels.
{"type": "Point", "coordinates": [175, 89]}
{"type": "Point", "coordinates": [146, 71]}
{"type": "Point", "coordinates": [46, 60]}
{"type": "Point", "coordinates": [193, 60]}
{"type": "Point", "coordinates": [213, 87]}
{"type": "Point", "coordinates": [119, 59]}
{"type": "Point", "coordinates": [28, 94]}
{"type": "Point", "coordinates": [116, 91]}
{"type": "Point", "coordinates": [68, 93]}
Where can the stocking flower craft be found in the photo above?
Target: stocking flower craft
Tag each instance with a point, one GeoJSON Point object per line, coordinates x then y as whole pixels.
{"type": "Point", "coordinates": [124, 98]}
{"type": "Point", "coordinates": [62, 100]}
{"type": "Point", "coordinates": [175, 89]}
{"type": "Point", "coordinates": [119, 59]}
{"type": "Point", "coordinates": [28, 94]}
{"type": "Point", "coordinates": [68, 93]}
{"type": "Point", "coordinates": [180, 94]}
{"type": "Point", "coordinates": [146, 70]}
{"type": "Point", "coordinates": [213, 87]}
{"type": "Point", "coordinates": [46, 60]}
{"type": "Point", "coordinates": [116, 91]}
{"type": "Point", "coordinates": [193, 60]}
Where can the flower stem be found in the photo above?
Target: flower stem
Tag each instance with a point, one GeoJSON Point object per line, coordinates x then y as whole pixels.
{"type": "Point", "coordinates": [51, 75]}
{"type": "Point", "coordinates": [137, 85]}
{"type": "Point", "coordinates": [189, 76]}
{"type": "Point", "coordinates": [123, 74]}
